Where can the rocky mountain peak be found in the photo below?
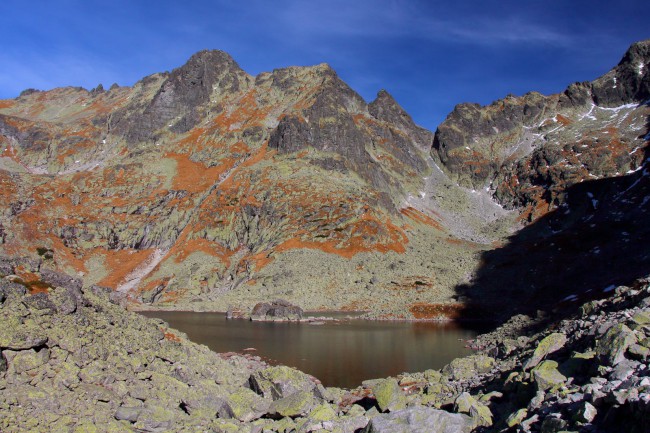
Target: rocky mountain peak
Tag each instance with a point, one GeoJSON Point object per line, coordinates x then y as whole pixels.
{"type": "Point", "coordinates": [629, 81]}
{"type": "Point", "coordinates": [386, 108]}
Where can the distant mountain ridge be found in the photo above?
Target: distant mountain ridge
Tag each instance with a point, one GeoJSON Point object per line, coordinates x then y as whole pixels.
{"type": "Point", "coordinates": [206, 187]}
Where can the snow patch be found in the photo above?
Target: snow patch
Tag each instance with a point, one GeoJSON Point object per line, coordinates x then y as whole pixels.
{"type": "Point", "coordinates": [594, 202]}
{"type": "Point", "coordinates": [619, 108]}
{"type": "Point", "coordinates": [609, 288]}
{"type": "Point", "coordinates": [588, 114]}
{"type": "Point", "coordinates": [639, 68]}
{"type": "Point", "coordinates": [570, 298]}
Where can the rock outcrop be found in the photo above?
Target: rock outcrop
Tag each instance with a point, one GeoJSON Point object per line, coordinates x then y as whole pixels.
{"type": "Point", "coordinates": [276, 310]}
{"type": "Point", "coordinates": [529, 149]}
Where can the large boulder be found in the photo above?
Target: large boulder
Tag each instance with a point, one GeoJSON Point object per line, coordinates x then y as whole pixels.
{"type": "Point", "coordinates": [479, 412]}
{"type": "Point", "coordinates": [297, 404]}
{"type": "Point", "coordinates": [245, 405]}
{"type": "Point", "coordinates": [468, 367]}
{"type": "Point", "coordinates": [276, 310]}
{"type": "Point", "coordinates": [420, 420]}
{"type": "Point", "coordinates": [281, 381]}
{"type": "Point", "coordinates": [389, 395]}
{"type": "Point", "coordinates": [612, 346]}
{"type": "Point", "coordinates": [551, 343]}
{"type": "Point", "coordinates": [547, 375]}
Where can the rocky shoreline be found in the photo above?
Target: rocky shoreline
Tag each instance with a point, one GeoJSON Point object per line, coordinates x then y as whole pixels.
{"type": "Point", "coordinates": [73, 359]}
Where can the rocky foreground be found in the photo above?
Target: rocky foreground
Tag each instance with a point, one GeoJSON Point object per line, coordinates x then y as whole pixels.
{"type": "Point", "coordinates": [74, 360]}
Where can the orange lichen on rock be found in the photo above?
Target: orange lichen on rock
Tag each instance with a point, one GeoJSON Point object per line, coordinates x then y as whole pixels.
{"type": "Point", "coordinates": [354, 244]}
{"type": "Point", "coordinates": [436, 311]}
{"type": "Point", "coordinates": [172, 296]}
{"type": "Point", "coordinates": [420, 217]}
{"type": "Point", "coordinates": [31, 281]}
{"type": "Point", "coordinates": [184, 247]}
{"type": "Point", "coordinates": [563, 120]}
{"type": "Point", "coordinates": [121, 263]}
{"type": "Point", "coordinates": [194, 176]}
{"type": "Point", "coordinates": [7, 103]}
{"type": "Point", "coordinates": [170, 336]}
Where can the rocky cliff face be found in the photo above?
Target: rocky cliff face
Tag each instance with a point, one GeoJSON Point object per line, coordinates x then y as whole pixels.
{"type": "Point", "coordinates": [210, 186]}
{"type": "Point", "coordinates": [529, 149]}
{"type": "Point", "coordinates": [206, 187]}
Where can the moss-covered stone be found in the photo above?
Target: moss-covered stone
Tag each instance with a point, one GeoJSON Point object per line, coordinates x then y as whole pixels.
{"type": "Point", "coordinates": [389, 395]}
{"type": "Point", "coordinates": [547, 376]}
{"type": "Point", "coordinates": [280, 381]}
{"type": "Point", "coordinates": [420, 419]}
{"type": "Point", "coordinates": [549, 344]}
{"type": "Point", "coordinates": [612, 346]}
{"type": "Point", "coordinates": [470, 366]}
{"type": "Point", "coordinates": [481, 414]}
{"type": "Point", "coordinates": [246, 405]}
{"type": "Point", "coordinates": [26, 360]}
{"type": "Point", "coordinates": [515, 418]}
{"type": "Point", "coordinates": [297, 404]}
{"type": "Point", "coordinates": [322, 412]}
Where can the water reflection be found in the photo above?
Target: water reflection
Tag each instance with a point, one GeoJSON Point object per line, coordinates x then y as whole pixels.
{"type": "Point", "coordinates": [338, 353]}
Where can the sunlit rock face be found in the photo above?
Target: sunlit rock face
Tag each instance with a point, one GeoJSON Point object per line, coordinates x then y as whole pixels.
{"type": "Point", "coordinates": [208, 188]}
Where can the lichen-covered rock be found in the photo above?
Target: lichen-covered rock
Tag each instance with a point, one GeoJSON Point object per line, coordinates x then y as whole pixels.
{"type": "Point", "coordinates": [17, 334]}
{"type": "Point", "coordinates": [547, 376]}
{"type": "Point", "coordinates": [25, 360]}
{"type": "Point", "coordinates": [470, 366]}
{"type": "Point", "coordinates": [420, 420]}
{"type": "Point", "coordinates": [551, 343]}
{"type": "Point", "coordinates": [481, 414]}
{"type": "Point", "coordinates": [515, 418]}
{"type": "Point", "coordinates": [276, 310]}
{"type": "Point", "coordinates": [389, 395]}
{"type": "Point", "coordinates": [280, 381]}
{"type": "Point", "coordinates": [613, 344]}
{"type": "Point", "coordinates": [246, 405]}
{"type": "Point", "coordinates": [296, 404]}
{"type": "Point", "coordinates": [130, 414]}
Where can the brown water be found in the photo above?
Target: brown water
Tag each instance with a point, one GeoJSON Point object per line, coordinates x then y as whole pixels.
{"type": "Point", "coordinates": [340, 354]}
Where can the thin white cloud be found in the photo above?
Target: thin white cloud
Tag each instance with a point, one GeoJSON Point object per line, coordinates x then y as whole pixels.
{"type": "Point", "coordinates": [395, 18]}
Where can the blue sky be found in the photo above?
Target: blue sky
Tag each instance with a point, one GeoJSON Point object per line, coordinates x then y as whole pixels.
{"type": "Point", "coordinates": [430, 55]}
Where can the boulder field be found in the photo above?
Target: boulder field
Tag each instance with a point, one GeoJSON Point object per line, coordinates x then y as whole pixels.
{"type": "Point", "coordinates": [74, 360]}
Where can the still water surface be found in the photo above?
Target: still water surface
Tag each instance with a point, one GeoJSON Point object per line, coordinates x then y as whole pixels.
{"type": "Point", "coordinates": [340, 354]}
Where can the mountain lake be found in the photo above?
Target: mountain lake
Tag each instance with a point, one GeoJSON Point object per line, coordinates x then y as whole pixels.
{"type": "Point", "coordinates": [340, 353]}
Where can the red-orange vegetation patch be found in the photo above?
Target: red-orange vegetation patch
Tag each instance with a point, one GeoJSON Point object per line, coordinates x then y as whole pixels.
{"type": "Point", "coordinates": [261, 259]}
{"type": "Point", "coordinates": [121, 263]}
{"type": "Point", "coordinates": [436, 311]}
{"type": "Point", "coordinates": [184, 247]}
{"type": "Point", "coordinates": [170, 336]}
{"type": "Point", "coordinates": [246, 114]}
{"type": "Point", "coordinates": [7, 103]}
{"type": "Point", "coordinates": [194, 176]}
{"type": "Point", "coordinates": [172, 296]}
{"type": "Point", "coordinates": [420, 217]}
{"type": "Point", "coordinates": [563, 120]}
{"type": "Point", "coordinates": [353, 306]}
{"type": "Point", "coordinates": [539, 207]}
{"type": "Point", "coordinates": [31, 281]}
{"type": "Point", "coordinates": [355, 244]}
{"type": "Point", "coordinates": [458, 241]}
{"type": "Point", "coordinates": [61, 157]}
